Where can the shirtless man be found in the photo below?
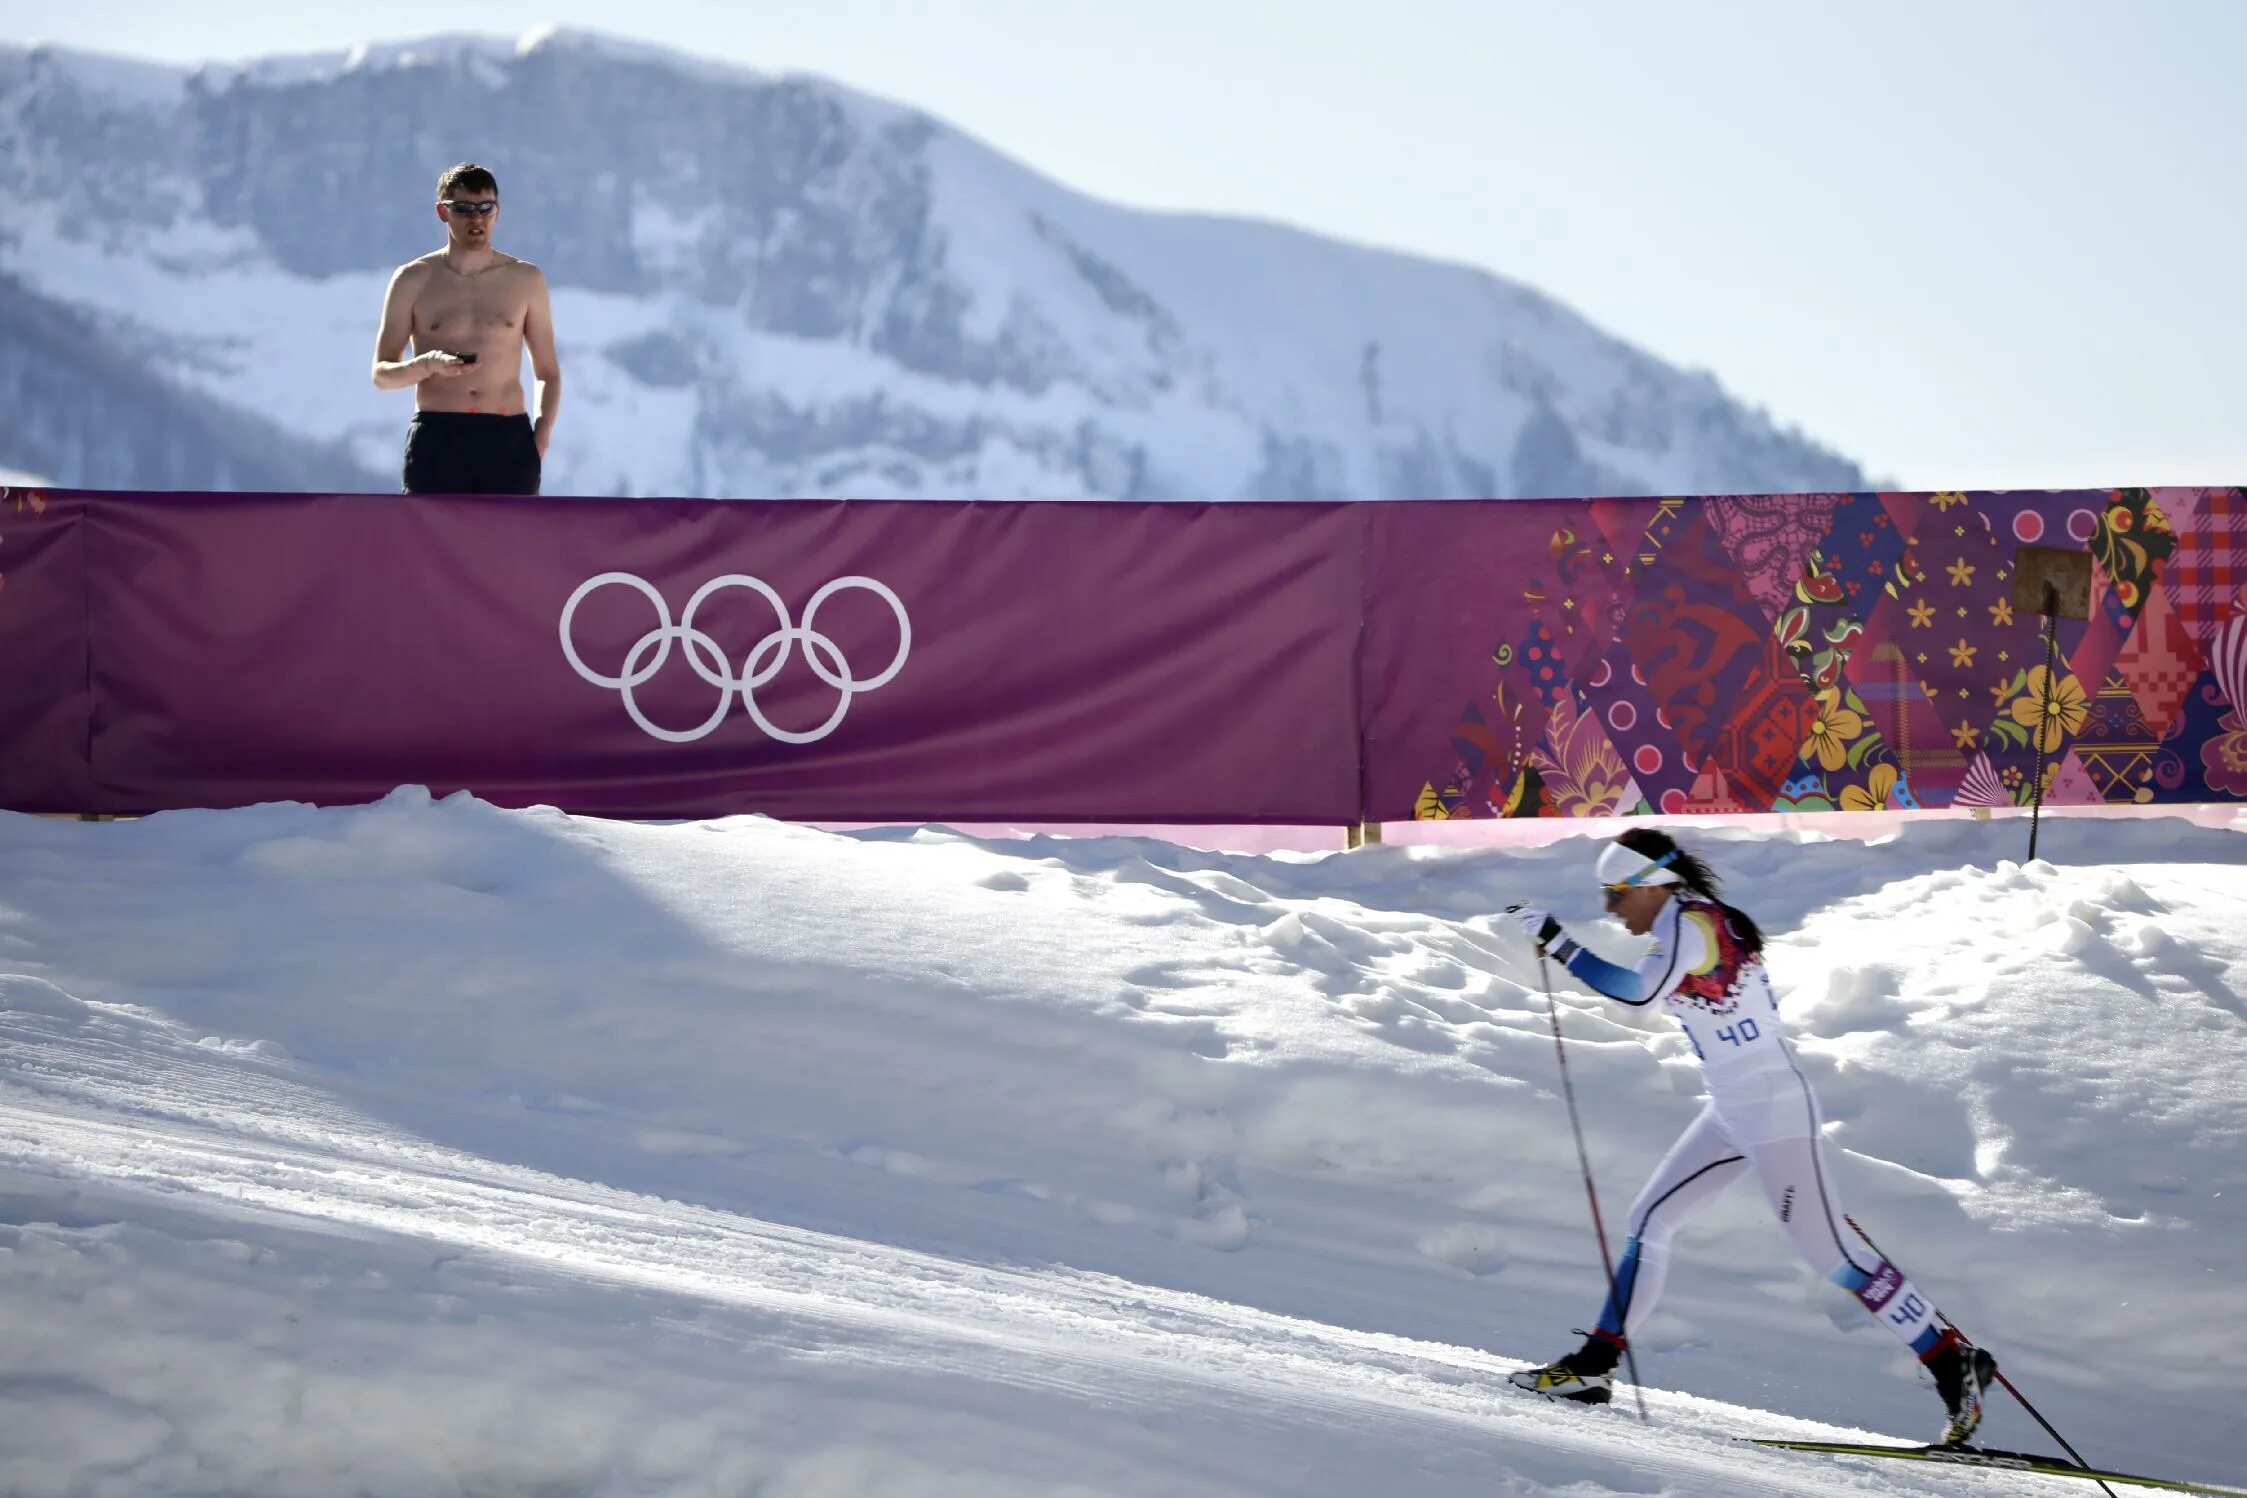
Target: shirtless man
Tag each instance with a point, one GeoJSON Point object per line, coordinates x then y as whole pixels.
{"type": "Point", "coordinates": [470, 312]}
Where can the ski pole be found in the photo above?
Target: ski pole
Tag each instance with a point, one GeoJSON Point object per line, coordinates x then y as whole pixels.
{"type": "Point", "coordinates": [1584, 1163]}
{"type": "Point", "coordinates": [2073, 1454]}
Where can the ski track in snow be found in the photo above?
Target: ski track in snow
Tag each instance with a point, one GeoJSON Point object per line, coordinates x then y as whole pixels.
{"type": "Point", "coordinates": [140, 1125]}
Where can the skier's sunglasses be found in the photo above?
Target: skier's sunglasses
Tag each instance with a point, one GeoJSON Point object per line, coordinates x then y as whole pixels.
{"type": "Point", "coordinates": [1611, 893]}
{"type": "Point", "coordinates": [482, 208]}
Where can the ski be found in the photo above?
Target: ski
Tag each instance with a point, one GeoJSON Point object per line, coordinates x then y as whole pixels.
{"type": "Point", "coordinates": [2002, 1461]}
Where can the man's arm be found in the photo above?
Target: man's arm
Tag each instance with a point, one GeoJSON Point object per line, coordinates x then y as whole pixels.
{"type": "Point", "coordinates": [392, 371]}
{"type": "Point", "coordinates": [546, 365]}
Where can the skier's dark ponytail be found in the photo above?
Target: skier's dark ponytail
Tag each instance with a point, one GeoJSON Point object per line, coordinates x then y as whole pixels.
{"type": "Point", "coordinates": [1695, 876]}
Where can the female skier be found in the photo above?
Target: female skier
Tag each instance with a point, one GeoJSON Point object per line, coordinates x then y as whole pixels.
{"type": "Point", "coordinates": [1761, 1118]}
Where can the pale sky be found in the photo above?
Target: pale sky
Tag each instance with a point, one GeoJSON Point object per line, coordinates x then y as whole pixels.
{"type": "Point", "coordinates": [1968, 243]}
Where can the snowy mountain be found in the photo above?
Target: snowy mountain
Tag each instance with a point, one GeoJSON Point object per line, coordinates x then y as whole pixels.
{"type": "Point", "coordinates": [765, 286]}
{"type": "Point", "coordinates": [430, 1149]}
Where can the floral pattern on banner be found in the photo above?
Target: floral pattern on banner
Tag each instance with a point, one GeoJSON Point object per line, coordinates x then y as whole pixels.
{"type": "Point", "coordinates": [1858, 773]}
{"type": "Point", "coordinates": [1821, 620]}
{"type": "Point", "coordinates": [1836, 726]}
{"type": "Point", "coordinates": [1822, 655]}
{"type": "Point", "coordinates": [2223, 757]}
{"type": "Point", "coordinates": [2132, 540]}
{"type": "Point", "coordinates": [1883, 789]}
{"type": "Point", "coordinates": [2041, 711]}
{"type": "Point", "coordinates": [1582, 774]}
{"type": "Point", "coordinates": [2223, 762]}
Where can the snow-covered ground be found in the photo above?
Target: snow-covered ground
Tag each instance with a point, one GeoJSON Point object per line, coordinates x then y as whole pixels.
{"type": "Point", "coordinates": [429, 1148]}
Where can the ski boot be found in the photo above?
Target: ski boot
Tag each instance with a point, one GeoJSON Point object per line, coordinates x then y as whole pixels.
{"type": "Point", "coordinates": [1584, 1376]}
{"type": "Point", "coordinates": [1962, 1371]}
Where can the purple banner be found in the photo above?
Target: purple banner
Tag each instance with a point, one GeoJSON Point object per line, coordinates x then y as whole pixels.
{"type": "Point", "coordinates": [863, 661]}
{"type": "Point", "coordinates": [46, 705]}
{"type": "Point", "coordinates": [1292, 663]}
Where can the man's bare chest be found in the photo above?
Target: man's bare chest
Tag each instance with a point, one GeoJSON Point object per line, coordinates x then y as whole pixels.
{"type": "Point", "coordinates": [454, 310]}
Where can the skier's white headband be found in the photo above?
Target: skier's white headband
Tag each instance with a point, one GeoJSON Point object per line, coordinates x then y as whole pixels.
{"type": "Point", "coordinates": [1620, 866]}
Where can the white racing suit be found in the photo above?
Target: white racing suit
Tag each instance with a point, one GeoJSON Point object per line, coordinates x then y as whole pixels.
{"type": "Point", "coordinates": [1761, 1119]}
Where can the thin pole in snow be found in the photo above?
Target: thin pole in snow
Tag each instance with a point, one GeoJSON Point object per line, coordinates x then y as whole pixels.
{"type": "Point", "coordinates": [1584, 1163]}
{"type": "Point", "coordinates": [2044, 718]}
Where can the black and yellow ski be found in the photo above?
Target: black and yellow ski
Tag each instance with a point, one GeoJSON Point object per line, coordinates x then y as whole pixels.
{"type": "Point", "coordinates": [2002, 1461]}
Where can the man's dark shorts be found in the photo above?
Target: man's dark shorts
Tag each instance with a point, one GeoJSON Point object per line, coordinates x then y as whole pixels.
{"type": "Point", "coordinates": [461, 452]}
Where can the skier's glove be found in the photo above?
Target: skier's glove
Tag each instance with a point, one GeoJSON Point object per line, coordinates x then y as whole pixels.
{"type": "Point", "coordinates": [1542, 928]}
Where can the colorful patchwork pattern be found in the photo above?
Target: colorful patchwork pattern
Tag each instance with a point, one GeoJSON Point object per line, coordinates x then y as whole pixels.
{"type": "Point", "coordinates": [1749, 653]}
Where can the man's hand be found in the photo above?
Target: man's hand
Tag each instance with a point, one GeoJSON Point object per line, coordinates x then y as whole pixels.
{"type": "Point", "coordinates": [542, 435]}
{"type": "Point", "coordinates": [442, 365]}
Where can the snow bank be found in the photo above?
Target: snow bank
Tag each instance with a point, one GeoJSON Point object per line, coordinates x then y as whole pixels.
{"type": "Point", "coordinates": [429, 1147]}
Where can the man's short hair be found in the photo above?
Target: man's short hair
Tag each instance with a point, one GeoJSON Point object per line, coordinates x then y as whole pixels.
{"type": "Point", "coordinates": [466, 177]}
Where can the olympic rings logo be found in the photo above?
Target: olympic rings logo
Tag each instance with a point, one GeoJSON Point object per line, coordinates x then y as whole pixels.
{"type": "Point", "coordinates": [764, 661]}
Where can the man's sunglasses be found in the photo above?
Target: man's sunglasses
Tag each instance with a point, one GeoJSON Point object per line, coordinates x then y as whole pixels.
{"type": "Point", "coordinates": [481, 209]}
